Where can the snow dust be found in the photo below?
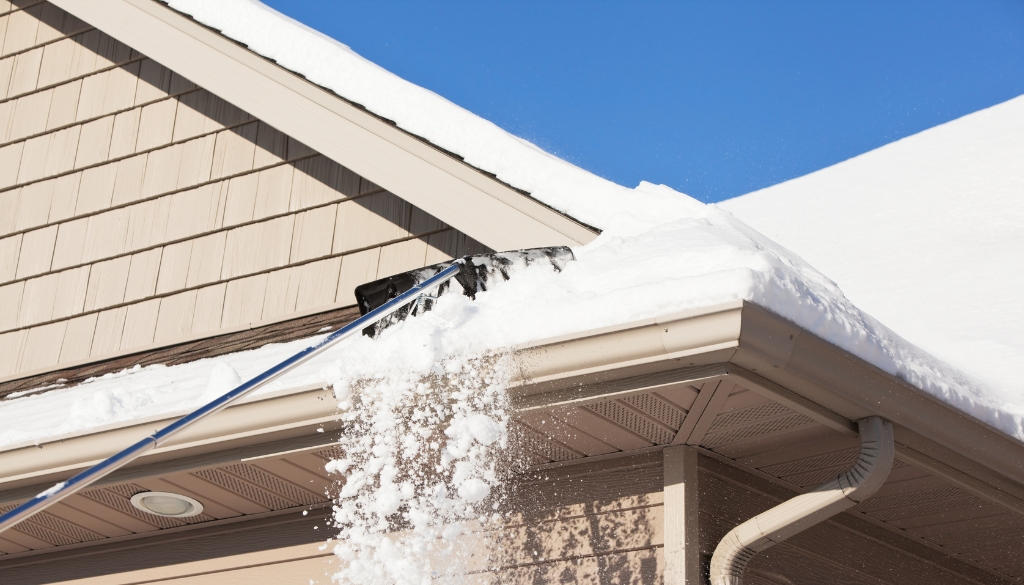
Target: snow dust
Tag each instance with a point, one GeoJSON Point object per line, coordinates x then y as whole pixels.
{"type": "Point", "coordinates": [425, 462]}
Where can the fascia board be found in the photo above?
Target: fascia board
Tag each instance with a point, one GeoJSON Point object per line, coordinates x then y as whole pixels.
{"type": "Point", "coordinates": [689, 339]}
{"type": "Point", "coordinates": [788, 364]}
{"type": "Point", "coordinates": [823, 374]}
{"type": "Point", "coordinates": [423, 175]}
{"type": "Point", "coordinates": [771, 355]}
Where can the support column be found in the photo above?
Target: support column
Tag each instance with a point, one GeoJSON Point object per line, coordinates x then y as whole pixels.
{"type": "Point", "coordinates": [682, 545]}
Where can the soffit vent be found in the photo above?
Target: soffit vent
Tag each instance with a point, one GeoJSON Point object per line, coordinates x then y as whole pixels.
{"type": "Point", "coordinates": [633, 421]}
{"type": "Point", "coordinates": [770, 427]}
{"type": "Point", "coordinates": [275, 484]}
{"type": "Point", "coordinates": [249, 491]}
{"type": "Point", "coordinates": [898, 506]}
{"type": "Point", "coordinates": [658, 409]}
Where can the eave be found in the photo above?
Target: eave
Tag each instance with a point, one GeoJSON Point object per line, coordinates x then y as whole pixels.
{"type": "Point", "coordinates": [737, 342]}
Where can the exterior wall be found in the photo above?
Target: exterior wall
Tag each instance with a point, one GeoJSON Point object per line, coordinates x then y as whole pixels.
{"type": "Point", "coordinates": [590, 523]}
{"type": "Point", "coordinates": [138, 210]}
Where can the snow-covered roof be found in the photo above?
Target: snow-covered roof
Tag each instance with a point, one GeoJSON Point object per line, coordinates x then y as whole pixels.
{"type": "Point", "coordinates": [926, 234]}
{"type": "Point", "coordinates": [658, 245]}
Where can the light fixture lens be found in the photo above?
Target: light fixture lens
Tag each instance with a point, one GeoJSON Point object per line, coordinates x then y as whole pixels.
{"type": "Point", "coordinates": [167, 504]}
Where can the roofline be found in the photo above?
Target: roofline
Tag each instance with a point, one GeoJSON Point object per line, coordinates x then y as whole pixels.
{"type": "Point", "coordinates": [785, 363]}
{"type": "Point", "coordinates": [472, 201]}
{"type": "Point", "coordinates": [769, 354]}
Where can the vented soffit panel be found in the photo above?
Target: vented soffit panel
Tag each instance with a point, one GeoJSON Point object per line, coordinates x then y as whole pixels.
{"type": "Point", "coordinates": [462, 196]}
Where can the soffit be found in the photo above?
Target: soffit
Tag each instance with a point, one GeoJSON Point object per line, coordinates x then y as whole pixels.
{"type": "Point", "coordinates": [737, 427]}
{"type": "Point", "coordinates": [472, 201]}
{"type": "Point", "coordinates": [752, 433]}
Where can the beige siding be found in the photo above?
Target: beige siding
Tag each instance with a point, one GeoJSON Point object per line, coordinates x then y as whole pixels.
{"type": "Point", "coordinates": [138, 209]}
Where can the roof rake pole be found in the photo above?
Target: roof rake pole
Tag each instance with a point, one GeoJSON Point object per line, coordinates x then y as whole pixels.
{"type": "Point", "coordinates": [98, 471]}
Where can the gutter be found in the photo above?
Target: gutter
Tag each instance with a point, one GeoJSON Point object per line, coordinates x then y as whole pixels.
{"type": "Point", "coordinates": [767, 529]}
{"type": "Point", "coordinates": [768, 354]}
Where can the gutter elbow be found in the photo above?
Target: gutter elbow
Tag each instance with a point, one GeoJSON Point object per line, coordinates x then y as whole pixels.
{"type": "Point", "coordinates": [850, 488]}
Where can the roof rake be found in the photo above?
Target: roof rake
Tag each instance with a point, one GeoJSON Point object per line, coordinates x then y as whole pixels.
{"type": "Point", "coordinates": [382, 303]}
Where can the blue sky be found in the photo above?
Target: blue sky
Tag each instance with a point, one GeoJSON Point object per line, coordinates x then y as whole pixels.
{"type": "Point", "coordinates": [713, 98]}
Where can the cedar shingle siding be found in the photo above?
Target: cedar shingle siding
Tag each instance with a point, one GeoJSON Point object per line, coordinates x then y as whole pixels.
{"type": "Point", "coordinates": [139, 210]}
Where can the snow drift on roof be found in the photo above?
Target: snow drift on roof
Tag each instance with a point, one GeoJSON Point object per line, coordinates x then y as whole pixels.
{"type": "Point", "coordinates": [926, 234]}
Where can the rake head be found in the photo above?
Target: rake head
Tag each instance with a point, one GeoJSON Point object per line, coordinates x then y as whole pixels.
{"type": "Point", "coordinates": [478, 273]}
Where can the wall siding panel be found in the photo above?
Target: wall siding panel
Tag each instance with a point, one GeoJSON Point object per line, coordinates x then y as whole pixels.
{"type": "Point", "coordinates": [25, 72]}
{"type": "Point", "coordinates": [142, 275]}
{"type": "Point", "coordinates": [95, 189]}
{"type": "Point", "coordinates": [175, 318]}
{"type": "Point", "coordinates": [140, 208]}
{"type": "Point", "coordinates": [42, 346]}
{"type": "Point", "coordinates": [78, 338]}
{"type": "Point", "coordinates": [33, 159]}
{"type": "Point", "coordinates": [64, 105]}
{"type": "Point", "coordinates": [10, 304]}
{"type": "Point", "coordinates": [243, 301]}
{"type": "Point", "coordinates": [125, 133]}
{"type": "Point", "coordinates": [355, 270]}
{"type": "Point", "coordinates": [313, 235]}
{"type": "Point", "coordinates": [282, 293]}
{"type": "Point", "coordinates": [140, 324]}
{"type": "Point", "coordinates": [36, 251]}
{"type": "Point", "coordinates": [56, 62]}
{"type": "Point", "coordinates": [209, 309]}
{"type": "Point", "coordinates": [107, 283]}
{"type": "Point", "coordinates": [30, 114]}
{"type": "Point", "coordinates": [37, 304]}
{"type": "Point", "coordinates": [94, 142]}
{"type": "Point", "coordinates": [6, 70]}
{"type": "Point", "coordinates": [109, 325]}
{"type": "Point", "coordinates": [34, 205]}
{"type": "Point", "coordinates": [156, 124]}
{"type": "Point", "coordinates": [11, 346]}
{"type": "Point", "coordinates": [72, 288]}
{"type": "Point", "coordinates": [10, 248]}
{"type": "Point", "coordinates": [65, 197]}
{"type": "Point", "coordinates": [21, 29]}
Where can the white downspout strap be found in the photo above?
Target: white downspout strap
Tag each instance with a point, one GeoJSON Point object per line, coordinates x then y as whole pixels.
{"type": "Point", "coordinates": [795, 515]}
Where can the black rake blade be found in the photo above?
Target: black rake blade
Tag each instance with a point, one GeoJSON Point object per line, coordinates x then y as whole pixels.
{"type": "Point", "coordinates": [479, 273]}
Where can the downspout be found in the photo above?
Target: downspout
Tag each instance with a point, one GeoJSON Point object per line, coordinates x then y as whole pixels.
{"type": "Point", "coordinates": [795, 515]}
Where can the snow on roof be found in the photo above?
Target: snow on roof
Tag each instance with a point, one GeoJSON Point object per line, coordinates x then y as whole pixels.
{"type": "Point", "coordinates": [658, 245]}
{"type": "Point", "coordinates": [926, 234]}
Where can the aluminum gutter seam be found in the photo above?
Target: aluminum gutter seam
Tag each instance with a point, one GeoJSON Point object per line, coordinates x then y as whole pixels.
{"type": "Point", "coordinates": [793, 516]}
{"type": "Point", "coordinates": [418, 172]}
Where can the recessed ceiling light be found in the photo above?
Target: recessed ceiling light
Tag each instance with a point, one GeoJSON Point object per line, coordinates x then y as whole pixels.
{"type": "Point", "coordinates": [167, 504]}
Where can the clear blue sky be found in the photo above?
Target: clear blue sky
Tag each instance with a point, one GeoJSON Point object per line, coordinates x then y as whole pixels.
{"type": "Point", "coordinates": [713, 98]}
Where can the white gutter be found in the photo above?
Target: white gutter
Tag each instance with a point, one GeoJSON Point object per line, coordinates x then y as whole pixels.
{"type": "Point", "coordinates": [800, 513]}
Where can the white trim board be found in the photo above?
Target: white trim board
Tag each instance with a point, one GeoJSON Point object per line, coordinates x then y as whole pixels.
{"type": "Point", "coordinates": [469, 200]}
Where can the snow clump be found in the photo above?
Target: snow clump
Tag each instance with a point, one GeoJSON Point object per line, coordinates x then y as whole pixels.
{"type": "Point", "coordinates": [423, 461]}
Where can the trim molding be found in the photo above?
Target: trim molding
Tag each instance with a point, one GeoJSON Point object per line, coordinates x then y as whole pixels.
{"type": "Point", "coordinates": [461, 196]}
